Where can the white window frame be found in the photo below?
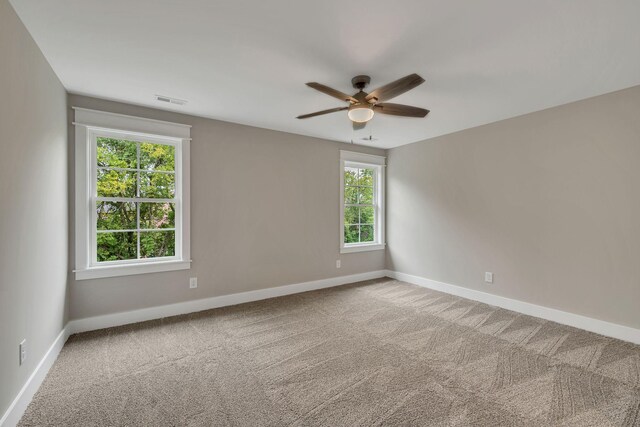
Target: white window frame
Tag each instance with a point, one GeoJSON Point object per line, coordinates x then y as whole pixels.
{"type": "Point", "coordinates": [91, 124]}
{"type": "Point", "coordinates": [378, 164]}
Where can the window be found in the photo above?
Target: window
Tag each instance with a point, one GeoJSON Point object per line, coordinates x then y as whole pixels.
{"type": "Point", "coordinates": [132, 213]}
{"type": "Point", "coordinates": [362, 207]}
{"type": "Point", "coordinates": [135, 203]}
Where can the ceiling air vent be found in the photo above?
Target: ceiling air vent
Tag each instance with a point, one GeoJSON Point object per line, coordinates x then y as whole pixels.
{"type": "Point", "coordinates": [170, 100]}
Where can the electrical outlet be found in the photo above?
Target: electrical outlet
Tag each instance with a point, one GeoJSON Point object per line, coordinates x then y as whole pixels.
{"type": "Point", "coordinates": [488, 277]}
{"type": "Point", "coordinates": [23, 351]}
{"type": "Point", "coordinates": [193, 282]}
{"type": "Point", "coordinates": [338, 263]}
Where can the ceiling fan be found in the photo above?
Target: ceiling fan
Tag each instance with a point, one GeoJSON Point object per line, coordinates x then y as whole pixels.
{"type": "Point", "coordinates": [362, 105]}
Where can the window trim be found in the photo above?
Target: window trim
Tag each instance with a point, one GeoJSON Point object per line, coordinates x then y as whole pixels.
{"type": "Point", "coordinates": [350, 158]}
{"type": "Point", "coordinates": [91, 123]}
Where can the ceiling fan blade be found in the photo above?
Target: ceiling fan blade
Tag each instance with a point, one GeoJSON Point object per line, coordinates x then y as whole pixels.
{"type": "Point", "coordinates": [332, 92]}
{"type": "Point", "coordinates": [319, 113]}
{"type": "Point", "coordinates": [393, 89]}
{"type": "Point", "coordinates": [359, 125]}
{"type": "Point", "coordinates": [400, 110]}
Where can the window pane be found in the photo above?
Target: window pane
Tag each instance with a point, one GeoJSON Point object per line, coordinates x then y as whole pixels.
{"type": "Point", "coordinates": [157, 185]}
{"type": "Point", "coordinates": [365, 177]}
{"type": "Point", "coordinates": [366, 233]}
{"type": "Point", "coordinates": [351, 233]}
{"type": "Point", "coordinates": [155, 244]}
{"type": "Point", "coordinates": [113, 183]}
{"type": "Point", "coordinates": [157, 215]}
{"type": "Point", "coordinates": [350, 176]}
{"type": "Point", "coordinates": [351, 195]}
{"type": "Point", "coordinates": [116, 215]}
{"type": "Point", "coordinates": [366, 215]}
{"type": "Point", "coordinates": [365, 195]}
{"type": "Point", "coordinates": [116, 246]}
{"type": "Point", "coordinates": [118, 153]}
{"type": "Point", "coordinates": [351, 215]}
{"type": "Point", "coordinates": [159, 157]}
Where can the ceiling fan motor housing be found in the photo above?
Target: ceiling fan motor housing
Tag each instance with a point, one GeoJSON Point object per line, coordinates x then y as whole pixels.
{"type": "Point", "coordinates": [360, 82]}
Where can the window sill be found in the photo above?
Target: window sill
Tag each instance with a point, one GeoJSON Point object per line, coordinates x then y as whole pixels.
{"type": "Point", "coordinates": [131, 269]}
{"type": "Point", "coordinates": [362, 248]}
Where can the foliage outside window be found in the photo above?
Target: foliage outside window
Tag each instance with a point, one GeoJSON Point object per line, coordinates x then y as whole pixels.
{"type": "Point", "coordinates": [362, 190]}
{"type": "Point", "coordinates": [135, 208]}
{"type": "Point", "coordinates": [359, 205]}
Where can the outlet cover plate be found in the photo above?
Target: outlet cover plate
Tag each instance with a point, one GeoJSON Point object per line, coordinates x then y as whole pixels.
{"type": "Point", "coordinates": [23, 351]}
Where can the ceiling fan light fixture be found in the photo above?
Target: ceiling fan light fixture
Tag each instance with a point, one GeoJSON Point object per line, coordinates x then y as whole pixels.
{"type": "Point", "coordinates": [360, 113]}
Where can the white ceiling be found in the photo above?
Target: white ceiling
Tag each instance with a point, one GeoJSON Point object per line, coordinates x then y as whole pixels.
{"type": "Point", "coordinates": [247, 61]}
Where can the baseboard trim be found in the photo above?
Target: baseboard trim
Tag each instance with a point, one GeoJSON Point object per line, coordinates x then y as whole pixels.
{"type": "Point", "coordinates": [151, 313]}
{"type": "Point", "coordinates": [601, 327]}
{"type": "Point", "coordinates": [31, 386]}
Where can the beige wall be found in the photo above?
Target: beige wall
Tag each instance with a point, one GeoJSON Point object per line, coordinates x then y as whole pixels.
{"type": "Point", "coordinates": [264, 213]}
{"type": "Point", "coordinates": [549, 202]}
{"type": "Point", "coordinates": [33, 193]}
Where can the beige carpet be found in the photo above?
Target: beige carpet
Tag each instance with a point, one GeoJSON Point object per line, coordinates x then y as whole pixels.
{"type": "Point", "coordinates": [372, 353]}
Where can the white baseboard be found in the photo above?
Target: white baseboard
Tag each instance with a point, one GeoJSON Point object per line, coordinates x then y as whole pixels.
{"type": "Point", "coordinates": [601, 327]}
{"type": "Point", "coordinates": [123, 318]}
{"type": "Point", "coordinates": [22, 400]}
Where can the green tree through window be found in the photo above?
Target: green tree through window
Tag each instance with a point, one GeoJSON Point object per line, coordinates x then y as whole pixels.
{"type": "Point", "coordinates": [135, 204]}
{"type": "Point", "coordinates": [359, 205]}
